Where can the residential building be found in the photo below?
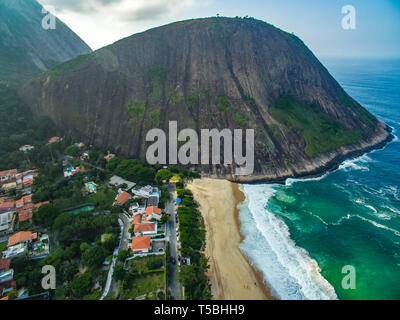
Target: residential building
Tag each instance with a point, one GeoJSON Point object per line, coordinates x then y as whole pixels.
{"type": "Point", "coordinates": [153, 213]}
{"type": "Point", "coordinates": [23, 236]}
{"type": "Point", "coordinates": [69, 172]}
{"type": "Point", "coordinates": [15, 251]}
{"type": "Point", "coordinates": [145, 229]}
{"type": "Point", "coordinates": [4, 265]}
{"type": "Point", "coordinates": [137, 219]}
{"type": "Point", "coordinates": [153, 200]}
{"type": "Point", "coordinates": [145, 192]}
{"type": "Point", "coordinates": [54, 140]}
{"type": "Point", "coordinates": [122, 198]}
{"type": "Point", "coordinates": [8, 175]}
{"type": "Point", "coordinates": [6, 288]}
{"type": "Point", "coordinates": [7, 206]}
{"type": "Point", "coordinates": [6, 276]}
{"type": "Point", "coordinates": [26, 148]}
{"type": "Point", "coordinates": [141, 245]}
{"type": "Point", "coordinates": [109, 157]}
{"type": "Point", "coordinates": [6, 222]}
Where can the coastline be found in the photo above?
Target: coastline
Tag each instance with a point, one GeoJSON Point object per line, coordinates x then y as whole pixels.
{"type": "Point", "coordinates": [231, 275]}
{"type": "Point", "coordinates": [320, 165]}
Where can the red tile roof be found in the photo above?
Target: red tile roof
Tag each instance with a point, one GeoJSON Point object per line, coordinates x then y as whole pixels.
{"type": "Point", "coordinates": [123, 198]}
{"type": "Point", "coordinates": [21, 237]}
{"type": "Point", "coordinates": [140, 243]}
{"type": "Point", "coordinates": [7, 205]}
{"type": "Point", "coordinates": [109, 157]}
{"type": "Point", "coordinates": [11, 173]}
{"type": "Point", "coordinates": [23, 201]}
{"type": "Point", "coordinates": [4, 264]}
{"type": "Point", "coordinates": [137, 219]}
{"type": "Point", "coordinates": [144, 227]}
{"type": "Point", "coordinates": [38, 205]}
{"type": "Point", "coordinates": [151, 210]}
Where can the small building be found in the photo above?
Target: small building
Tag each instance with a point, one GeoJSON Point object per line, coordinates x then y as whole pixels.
{"type": "Point", "coordinates": [6, 288]}
{"type": "Point", "coordinates": [6, 276]}
{"type": "Point", "coordinates": [15, 251]}
{"type": "Point", "coordinates": [145, 229]}
{"type": "Point", "coordinates": [141, 245]}
{"type": "Point", "coordinates": [54, 140]}
{"type": "Point", "coordinates": [71, 171]}
{"type": "Point", "coordinates": [122, 198]}
{"type": "Point", "coordinates": [26, 148]}
{"type": "Point", "coordinates": [153, 213]}
{"type": "Point", "coordinates": [23, 236]}
{"type": "Point", "coordinates": [153, 200]}
{"type": "Point", "coordinates": [137, 219]}
{"type": "Point", "coordinates": [7, 206]}
{"type": "Point", "coordinates": [109, 157]}
{"type": "Point", "coordinates": [7, 222]}
{"type": "Point", "coordinates": [8, 175]}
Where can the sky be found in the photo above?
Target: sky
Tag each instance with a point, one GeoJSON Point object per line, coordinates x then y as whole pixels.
{"type": "Point", "coordinates": [317, 22]}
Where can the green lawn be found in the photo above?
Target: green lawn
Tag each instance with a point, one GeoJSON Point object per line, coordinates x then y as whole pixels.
{"type": "Point", "coordinates": [144, 285]}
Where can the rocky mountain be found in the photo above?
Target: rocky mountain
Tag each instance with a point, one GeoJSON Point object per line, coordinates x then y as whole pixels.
{"type": "Point", "coordinates": [26, 48]}
{"type": "Point", "coordinates": [211, 73]}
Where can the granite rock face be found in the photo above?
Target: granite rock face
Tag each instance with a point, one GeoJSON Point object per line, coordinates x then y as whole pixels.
{"type": "Point", "coordinates": [210, 73]}
{"type": "Point", "coordinates": [26, 48]}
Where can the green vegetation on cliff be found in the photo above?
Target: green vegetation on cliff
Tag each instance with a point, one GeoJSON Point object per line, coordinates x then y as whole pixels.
{"type": "Point", "coordinates": [320, 133]}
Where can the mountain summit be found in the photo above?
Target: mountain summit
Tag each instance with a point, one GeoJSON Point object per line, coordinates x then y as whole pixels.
{"type": "Point", "coordinates": [210, 73]}
{"type": "Point", "coordinates": [26, 48]}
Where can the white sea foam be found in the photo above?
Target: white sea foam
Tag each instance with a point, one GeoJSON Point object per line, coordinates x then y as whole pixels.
{"type": "Point", "coordinates": [287, 268]}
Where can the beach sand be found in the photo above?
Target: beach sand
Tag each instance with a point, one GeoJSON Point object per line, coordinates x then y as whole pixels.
{"type": "Point", "coordinates": [230, 274]}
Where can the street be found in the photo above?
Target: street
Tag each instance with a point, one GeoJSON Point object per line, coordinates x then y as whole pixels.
{"type": "Point", "coordinates": [174, 286]}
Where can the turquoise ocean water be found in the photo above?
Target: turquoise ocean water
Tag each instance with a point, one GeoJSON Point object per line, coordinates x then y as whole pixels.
{"type": "Point", "coordinates": [300, 235]}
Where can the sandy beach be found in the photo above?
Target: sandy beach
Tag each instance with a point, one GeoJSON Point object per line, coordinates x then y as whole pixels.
{"type": "Point", "coordinates": [231, 275]}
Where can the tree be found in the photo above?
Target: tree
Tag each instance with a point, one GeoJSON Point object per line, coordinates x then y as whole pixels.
{"type": "Point", "coordinates": [94, 256]}
{"type": "Point", "coordinates": [165, 218]}
{"type": "Point", "coordinates": [122, 255]}
{"type": "Point", "coordinates": [82, 285]}
{"type": "Point", "coordinates": [163, 175]}
{"type": "Point", "coordinates": [119, 272]}
{"type": "Point", "coordinates": [72, 151]}
{"type": "Point", "coordinates": [45, 215]}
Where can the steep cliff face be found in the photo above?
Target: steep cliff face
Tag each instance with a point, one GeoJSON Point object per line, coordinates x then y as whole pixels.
{"type": "Point", "coordinates": [26, 49]}
{"type": "Point", "coordinates": [210, 73]}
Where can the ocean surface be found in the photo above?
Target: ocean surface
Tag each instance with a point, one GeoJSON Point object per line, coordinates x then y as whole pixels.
{"type": "Point", "coordinates": [301, 235]}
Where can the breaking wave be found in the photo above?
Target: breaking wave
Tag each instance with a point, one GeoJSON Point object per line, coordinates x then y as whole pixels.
{"type": "Point", "coordinates": [287, 269]}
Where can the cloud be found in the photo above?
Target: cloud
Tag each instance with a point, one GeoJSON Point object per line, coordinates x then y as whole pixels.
{"type": "Point", "coordinates": [101, 22]}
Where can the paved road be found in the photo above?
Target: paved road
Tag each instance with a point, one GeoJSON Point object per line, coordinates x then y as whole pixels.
{"type": "Point", "coordinates": [174, 287]}
{"type": "Point", "coordinates": [124, 224]}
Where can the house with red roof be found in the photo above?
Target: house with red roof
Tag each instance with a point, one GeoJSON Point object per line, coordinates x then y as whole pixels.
{"type": "Point", "coordinates": [141, 245]}
{"type": "Point", "coordinates": [145, 229]}
{"type": "Point", "coordinates": [153, 213]}
{"type": "Point", "coordinates": [122, 198]}
{"type": "Point", "coordinates": [23, 236]}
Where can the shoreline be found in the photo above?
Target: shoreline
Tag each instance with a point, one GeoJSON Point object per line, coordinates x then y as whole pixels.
{"type": "Point", "coordinates": [331, 162]}
{"type": "Point", "coordinates": [231, 275]}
